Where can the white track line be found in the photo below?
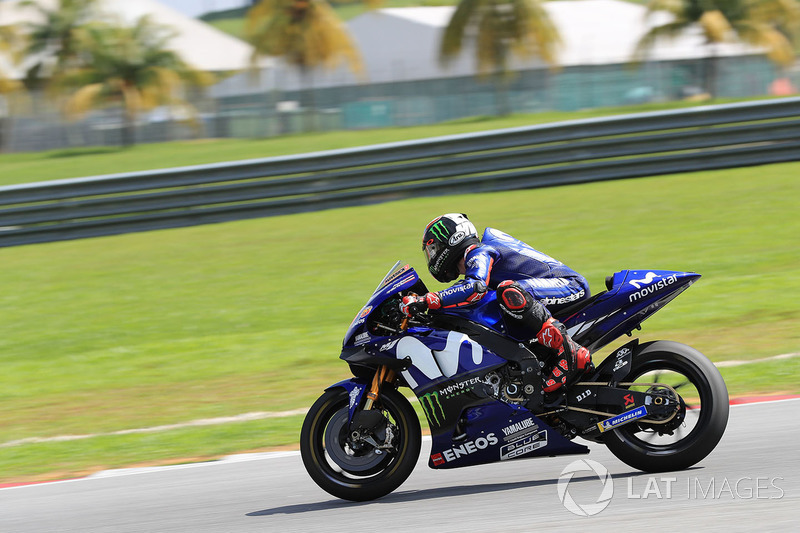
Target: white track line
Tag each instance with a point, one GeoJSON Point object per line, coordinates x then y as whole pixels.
{"type": "Point", "coordinates": [724, 364]}
{"type": "Point", "coordinates": [246, 417]}
{"type": "Point", "coordinates": [261, 415]}
{"type": "Point", "coordinates": [244, 457]}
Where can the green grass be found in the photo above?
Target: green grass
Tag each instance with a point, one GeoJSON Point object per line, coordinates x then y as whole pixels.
{"type": "Point", "coordinates": [768, 377]}
{"type": "Point", "coordinates": [80, 457]}
{"type": "Point", "coordinates": [69, 459]}
{"type": "Point", "coordinates": [154, 328]}
{"type": "Point", "coordinates": [78, 162]}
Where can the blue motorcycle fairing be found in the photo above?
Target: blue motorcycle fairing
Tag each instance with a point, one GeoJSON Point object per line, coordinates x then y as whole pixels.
{"type": "Point", "coordinates": [486, 311]}
{"type": "Point", "coordinates": [449, 376]}
{"type": "Point", "coordinates": [401, 279]}
{"type": "Point", "coordinates": [436, 364]}
{"type": "Point", "coordinates": [497, 431]}
{"type": "Point", "coordinates": [634, 296]}
{"type": "Point", "coordinates": [494, 431]}
{"type": "Point", "coordinates": [436, 356]}
{"type": "Point", "coordinates": [356, 388]}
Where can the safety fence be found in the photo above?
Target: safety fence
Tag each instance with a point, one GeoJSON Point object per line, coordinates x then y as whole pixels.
{"type": "Point", "coordinates": [644, 144]}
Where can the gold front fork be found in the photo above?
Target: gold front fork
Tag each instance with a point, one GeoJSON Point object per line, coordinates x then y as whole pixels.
{"type": "Point", "coordinates": [382, 374]}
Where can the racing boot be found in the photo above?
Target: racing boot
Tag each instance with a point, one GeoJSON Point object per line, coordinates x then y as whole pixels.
{"type": "Point", "coordinates": [572, 359]}
{"type": "Point", "coordinates": [523, 315]}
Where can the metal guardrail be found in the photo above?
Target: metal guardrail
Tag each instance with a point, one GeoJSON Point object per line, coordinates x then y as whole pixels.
{"type": "Point", "coordinates": [645, 144]}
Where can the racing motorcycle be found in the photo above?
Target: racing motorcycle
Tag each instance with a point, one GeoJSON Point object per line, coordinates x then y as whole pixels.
{"type": "Point", "coordinates": [657, 406]}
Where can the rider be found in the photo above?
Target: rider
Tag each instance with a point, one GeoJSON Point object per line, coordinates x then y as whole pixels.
{"type": "Point", "coordinates": [524, 279]}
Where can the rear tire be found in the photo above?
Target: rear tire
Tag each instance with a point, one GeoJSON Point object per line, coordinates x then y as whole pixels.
{"type": "Point", "coordinates": [629, 443]}
{"type": "Point", "coordinates": [369, 474]}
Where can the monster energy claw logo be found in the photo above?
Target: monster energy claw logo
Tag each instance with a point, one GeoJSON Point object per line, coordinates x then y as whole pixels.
{"type": "Point", "coordinates": [430, 402]}
{"type": "Point", "coordinates": [439, 230]}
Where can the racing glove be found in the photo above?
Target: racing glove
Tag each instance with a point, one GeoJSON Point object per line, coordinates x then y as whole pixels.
{"type": "Point", "coordinates": [413, 305]}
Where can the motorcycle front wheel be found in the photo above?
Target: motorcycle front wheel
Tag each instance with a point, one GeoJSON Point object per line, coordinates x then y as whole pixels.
{"type": "Point", "coordinates": [701, 418]}
{"type": "Point", "coordinates": [352, 468]}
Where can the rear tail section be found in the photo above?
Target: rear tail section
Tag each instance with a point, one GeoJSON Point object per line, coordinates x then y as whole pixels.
{"type": "Point", "coordinates": [632, 296]}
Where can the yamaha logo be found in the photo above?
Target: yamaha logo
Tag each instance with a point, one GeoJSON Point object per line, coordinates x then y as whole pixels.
{"type": "Point", "coordinates": [566, 478]}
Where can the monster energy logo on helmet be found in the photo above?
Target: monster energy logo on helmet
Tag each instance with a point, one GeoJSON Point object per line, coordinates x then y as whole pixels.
{"type": "Point", "coordinates": [430, 404]}
{"type": "Point", "coordinates": [439, 230]}
{"type": "Point", "coordinates": [444, 242]}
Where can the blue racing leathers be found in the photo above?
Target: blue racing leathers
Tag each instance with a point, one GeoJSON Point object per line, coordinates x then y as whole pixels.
{"type": "Point", "coordinates": [500, 257]}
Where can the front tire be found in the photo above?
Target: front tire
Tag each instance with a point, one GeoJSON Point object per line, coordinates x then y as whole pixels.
{"type": "Point", "coordinates": [368, 473]}
{"type": "Point", "coordinates": [703, 404]}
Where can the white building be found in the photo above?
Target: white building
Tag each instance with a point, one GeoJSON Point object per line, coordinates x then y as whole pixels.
{"type": "Point", "coordinates": [202, 46]}
{"type": "Point", "coordinates": [402, 44]}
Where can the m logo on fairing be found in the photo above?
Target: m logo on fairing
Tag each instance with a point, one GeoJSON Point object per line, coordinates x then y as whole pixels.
{"type": "Point", "coordinates": [437, 363]}
{"type": "Point", "coordinates": [647, 280]}
{"type": "Point", "coordinates": [449, 358]}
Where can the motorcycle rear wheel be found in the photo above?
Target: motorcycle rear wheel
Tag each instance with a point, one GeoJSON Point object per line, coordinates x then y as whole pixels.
{"type": "Point", "coordinates": [641, 445]}
{"type": "Point", "coordinates": [369, 474]}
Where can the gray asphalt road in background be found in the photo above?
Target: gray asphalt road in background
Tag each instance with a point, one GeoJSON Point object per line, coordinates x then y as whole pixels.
{"type": "Point", "coordinates": [750, 482]}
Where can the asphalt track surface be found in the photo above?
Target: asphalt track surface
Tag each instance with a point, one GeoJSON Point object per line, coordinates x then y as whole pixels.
{"type": "Point", "coordinates": [751, 482]}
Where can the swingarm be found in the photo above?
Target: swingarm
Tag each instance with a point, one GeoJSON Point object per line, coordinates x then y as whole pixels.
{"type": "Point", "coordinates": [599, 407]}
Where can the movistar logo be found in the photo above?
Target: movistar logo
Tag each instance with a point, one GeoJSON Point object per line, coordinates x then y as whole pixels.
{"type": "Point", "coordinates": [650, 289]}
{"type": "Point", "coordinates": [439, 230]}
{"type": "Point", "coordinates": [430, 404]}
{"type": "Point", "coordinates": [647, 280]}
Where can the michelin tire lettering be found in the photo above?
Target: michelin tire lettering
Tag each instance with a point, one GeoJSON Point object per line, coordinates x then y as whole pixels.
{"type": "Point", "coordinates": [624, 418]}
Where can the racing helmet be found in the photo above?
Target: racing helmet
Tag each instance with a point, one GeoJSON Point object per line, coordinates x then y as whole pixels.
{"type": "Point", "coordinates": [444, 242]}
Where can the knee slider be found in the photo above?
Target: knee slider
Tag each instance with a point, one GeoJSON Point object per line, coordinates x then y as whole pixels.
{"type": "Point", "coordinates": [513, 298]}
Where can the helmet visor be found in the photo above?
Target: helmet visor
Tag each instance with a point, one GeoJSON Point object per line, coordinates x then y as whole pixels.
{"type": "Point", "coordinates": [431, 249]}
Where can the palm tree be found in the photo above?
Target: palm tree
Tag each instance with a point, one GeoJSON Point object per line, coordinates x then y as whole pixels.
{"type": "Point", "coordinates": [500, 29]}
{"type": "Point", "coordinates": [57, 36]}
{"type": "Point", "coordinates": [129, 65]}
{"type": "Point", "coordinates": [305, 33]}
{"type": "Point", "coordinates": [11, 48]}
{"type": "Point", "coordinates": [768, 24]}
